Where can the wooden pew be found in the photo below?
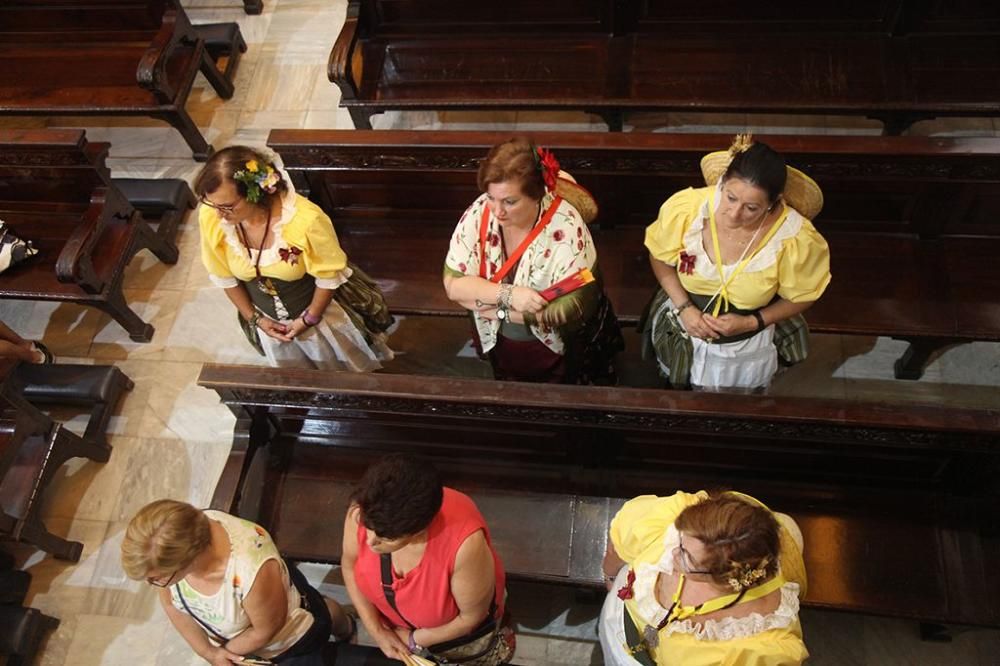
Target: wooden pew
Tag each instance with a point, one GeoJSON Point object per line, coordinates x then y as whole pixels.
{"type": "Point", "coordinates": [106, 58]}
{"type": "Point", "coordinates": [912, 222]}
{"type": "Point", "coordinates": [32, 449]}
{"type": "Point", "coordinates": [897, 504]}
{"type": "Point", "coordinates": [56, 191]}
{"type": "Point", "coordinates": [893, 60]}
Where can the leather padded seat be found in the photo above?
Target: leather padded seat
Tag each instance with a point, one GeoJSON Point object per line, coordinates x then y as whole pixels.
{"type": "Point", "coordinates": [21, 633]}
{"type": "Point", "coordinates": [68, 383]}
{"type": "Point", "coordinates": [14, 587]}
{"type": "Point", "coordinates": [155, 196]}
{"type": "Point", "coordinates": [223, 40]}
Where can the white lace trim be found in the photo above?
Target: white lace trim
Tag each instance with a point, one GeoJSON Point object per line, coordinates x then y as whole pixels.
{"type": "Point", "coordinates": [730, 628]}
{"type": "Point", "coordinates": [766, 257]}
{"type": "Point", "coordinates": [647, 574]}
{"type": "Point", "coordinates": [335, 281]}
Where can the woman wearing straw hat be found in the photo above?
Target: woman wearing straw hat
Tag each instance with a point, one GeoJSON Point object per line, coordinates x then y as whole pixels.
{"type": "Point", "coordinates": [523, 262]}
{"type": "Point", "coordinates": [738, 263]}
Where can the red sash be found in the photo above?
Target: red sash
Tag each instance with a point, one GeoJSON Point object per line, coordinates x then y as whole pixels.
{"type": "Point", "coordinates": [516, 256]}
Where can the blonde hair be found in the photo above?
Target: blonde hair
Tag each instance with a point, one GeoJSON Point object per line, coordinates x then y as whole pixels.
{"type": "Point", "coordinates": [165, 535]}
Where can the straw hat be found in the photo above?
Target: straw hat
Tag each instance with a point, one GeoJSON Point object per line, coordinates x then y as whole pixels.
{"type": "Point", "coordinates": [577, 195]}
{"type": "Point", "coordinates": [801, 192]}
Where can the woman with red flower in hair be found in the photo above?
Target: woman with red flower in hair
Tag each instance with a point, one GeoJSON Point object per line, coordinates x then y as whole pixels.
{"type": "Point", "coordinates": [523, 263]}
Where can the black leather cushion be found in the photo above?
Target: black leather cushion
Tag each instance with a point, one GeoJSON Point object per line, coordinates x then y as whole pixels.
{"type": "Point", "coordinates": [14, 587]}
{"type": "Point", "coordinates": [155, 195]}
{"type": "Point", "coordinates": [66, 383]}
{"type": "Point", "coordinates": [22, 629]}
{"type": "Point", "coordinates": [218, 36]}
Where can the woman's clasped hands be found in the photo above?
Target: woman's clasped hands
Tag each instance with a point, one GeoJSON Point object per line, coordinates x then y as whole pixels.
{"type": "Point", "coordinates": [707, 327]}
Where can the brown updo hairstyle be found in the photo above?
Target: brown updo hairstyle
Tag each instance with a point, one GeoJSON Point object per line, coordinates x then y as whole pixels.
{"type": "Point", "coordinates": [223, 164]}
{"type": "Point", "coordinates": [515, 161]}
{"type": "Point", "coordinates": [738, 536]}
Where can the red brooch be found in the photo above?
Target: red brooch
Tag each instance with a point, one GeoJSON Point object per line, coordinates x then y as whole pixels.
{"type": "Point", "coordinates": [290, 254]}
{"type": "Point", "coordinates": [626, 592]}
{"type": "Point", "coordinates": [687, 263]}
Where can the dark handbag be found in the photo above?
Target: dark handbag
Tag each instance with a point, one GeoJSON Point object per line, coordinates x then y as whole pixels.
{"type": "Point", "coordinates": [490, 644]}
{"type": "Point", "coordinates": [13, 250]}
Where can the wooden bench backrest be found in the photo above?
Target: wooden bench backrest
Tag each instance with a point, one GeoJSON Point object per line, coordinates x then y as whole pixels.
{"type": "Point", "coordinates": [49, 169]}
{"type": "Point", "coordinates": [904, 185]}
{"type": "Point", "coordinates": [427, 18]}
{"type": "Point", "coordinates": [85, 19]}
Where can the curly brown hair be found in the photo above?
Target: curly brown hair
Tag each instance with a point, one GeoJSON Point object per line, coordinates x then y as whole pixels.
{"type": "Point", "coordinates": [399, 496]}
{"type": "Point", "coordinates": [739, 537]}
{"type": "Point", "coordinates": [516, 161]}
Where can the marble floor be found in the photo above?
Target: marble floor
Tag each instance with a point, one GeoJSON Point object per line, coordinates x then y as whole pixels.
{"type": "Point", "coordinates": [171, 437]}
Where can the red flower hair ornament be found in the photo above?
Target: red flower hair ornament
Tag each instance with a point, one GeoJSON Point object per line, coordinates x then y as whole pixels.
{"type": "Point", "coordinates": [549, 166]}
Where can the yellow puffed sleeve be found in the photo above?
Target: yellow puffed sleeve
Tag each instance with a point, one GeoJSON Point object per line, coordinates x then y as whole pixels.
{"type": "Point", "coordinates": [213, 243]}
{"type": "Point", "coordinates": [804, 266]}
{"type": "Point", "coordinates": [313, 232]}
{"type": "Point", "coordinates": [641, 522]}
{"type": "Point", "coordinates": [665, 236]}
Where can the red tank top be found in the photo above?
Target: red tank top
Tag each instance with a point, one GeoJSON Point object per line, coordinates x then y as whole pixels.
{"type": "Point", "coordinates": [423, 596]}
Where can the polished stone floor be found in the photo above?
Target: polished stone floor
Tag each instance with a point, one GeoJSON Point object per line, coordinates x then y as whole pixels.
{"type": "Point", "coordinates": [171, 437]}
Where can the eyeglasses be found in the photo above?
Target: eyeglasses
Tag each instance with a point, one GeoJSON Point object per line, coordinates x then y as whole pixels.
{"type": "Point", "coordinates": [222, 208]}
{"type": "Point", "coordinates": [155, 581]}
{"type": "Point", "coordinates": [687, 562]}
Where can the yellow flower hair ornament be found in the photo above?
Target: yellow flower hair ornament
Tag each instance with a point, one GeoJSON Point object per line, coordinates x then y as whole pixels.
{"type": "Point", "coordinates": [257, 180]}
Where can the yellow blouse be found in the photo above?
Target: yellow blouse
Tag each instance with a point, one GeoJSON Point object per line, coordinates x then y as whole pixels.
{"type": "Point", "coordinates": [644, 537]}
{"type": "Point", "coordinates": [794, 263]}
{"type": "Point", "coordinates": [304, 242]}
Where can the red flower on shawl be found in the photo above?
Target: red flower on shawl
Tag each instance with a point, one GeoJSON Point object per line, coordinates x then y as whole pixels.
{"type": "Point", "coordinates": [579, 245]}
{"type": "Point", "coordinates": [558, 235]}
{"type": "Point", "coordinates": [549, 165]}
{"type": "Point", "coordinates": [290, 254]}
{"type": "Point", "coordinates": [463, 268]}
{"type": "Point", "coordinates": [687, 263]}
{"type": "Point", "coordinates": [548, 253]}
{"type": "Point", "coordinates": [627, 592]}
{"type": "Point", "coordinates": [579, 232]}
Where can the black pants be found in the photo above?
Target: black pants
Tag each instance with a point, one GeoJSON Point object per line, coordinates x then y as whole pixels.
{"type": "Point", "coordinates": [308, 650]}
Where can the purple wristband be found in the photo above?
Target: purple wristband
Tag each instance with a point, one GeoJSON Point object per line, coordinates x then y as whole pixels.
{"type": "Point", "coordinates": [412, 643]}
{"type": "Point", "coordinates": [309, 320]}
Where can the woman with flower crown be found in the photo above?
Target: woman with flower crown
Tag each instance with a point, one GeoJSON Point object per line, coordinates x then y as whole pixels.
{"type": "Point", "coordinates": [739, 262]}
{"type": "Point", "coordinates": [700, 580]}
{"type": "Point", "coordinates": [275, 253]}
{"type": "Point", "coordinates": [523, 263]}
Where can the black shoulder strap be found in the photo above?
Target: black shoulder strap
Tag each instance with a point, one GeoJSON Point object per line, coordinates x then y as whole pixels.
{"type": "Point", "coordinates": [219, 637]}
{"type": "Point", "coordinates": [390, 594]}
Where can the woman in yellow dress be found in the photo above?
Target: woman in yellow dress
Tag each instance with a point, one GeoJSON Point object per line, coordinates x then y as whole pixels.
{"type": "Point", "coordinates": [702, 580]}
{"type": "Point", "coordinates": [738, 262]}
{"type": "Point", "coordinates": [276, 254]}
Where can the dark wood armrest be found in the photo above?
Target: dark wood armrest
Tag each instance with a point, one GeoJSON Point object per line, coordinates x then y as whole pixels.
{"type": "Point", "coordinates": [152, 71]}
{"type": "Point", "coordinates": [339, 69]}
{"type": "Point", "coordinates": [74, 264]}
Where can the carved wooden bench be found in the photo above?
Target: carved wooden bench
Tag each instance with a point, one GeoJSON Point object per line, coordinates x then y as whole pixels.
{"type": "Point", "coordinates": [106, 58]}
{"type": "Point", "coordinates": [895, 61]}
{"type": "Point", "coordinates": [912, 222]}
{"type": "Point", "coordinates": [897, 504]}
{"type": "Point", "coordinates": [32, 449]}
{"type": "Point", "coordinates": [56, 191]}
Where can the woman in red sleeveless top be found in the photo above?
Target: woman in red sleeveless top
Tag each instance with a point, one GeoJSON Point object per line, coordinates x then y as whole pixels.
{"type": "Point", "coordinates": [417, 559]}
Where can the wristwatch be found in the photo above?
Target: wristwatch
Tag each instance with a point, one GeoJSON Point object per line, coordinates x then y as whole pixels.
{"type": "Point", "coordinates": [502, 314]}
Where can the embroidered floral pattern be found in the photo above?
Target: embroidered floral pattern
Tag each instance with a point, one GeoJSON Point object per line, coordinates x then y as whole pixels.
{"type": "Point", "coordinates": [289, 254]}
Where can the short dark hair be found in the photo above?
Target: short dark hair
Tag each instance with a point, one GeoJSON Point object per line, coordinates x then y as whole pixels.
{"type": "Point", "coordinates": [399, 496]}
{"type": "Point", "coordinates": [761, 166]}
{"type": "Point", "coordinates": [221, 166]}
{"type": "Point", "coordinates": [515, 160]}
